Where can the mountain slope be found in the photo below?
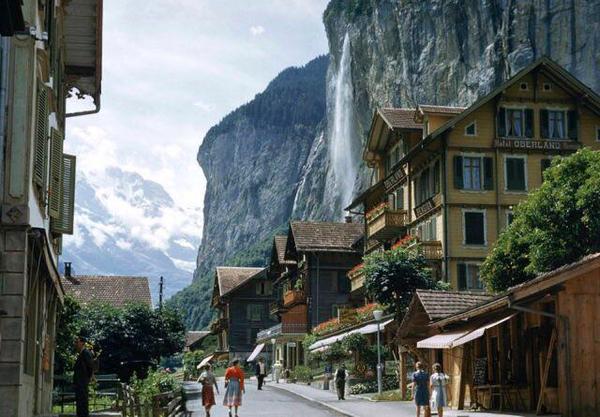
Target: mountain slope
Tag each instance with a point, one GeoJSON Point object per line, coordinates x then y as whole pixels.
{"type": "Point", "coordinates": [127, 225]}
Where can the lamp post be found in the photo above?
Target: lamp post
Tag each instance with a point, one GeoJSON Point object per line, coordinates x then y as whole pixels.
{"type": "Point", "coordinates": [378, 314]}
{"type": "Point", "coordinates": [273, 360]}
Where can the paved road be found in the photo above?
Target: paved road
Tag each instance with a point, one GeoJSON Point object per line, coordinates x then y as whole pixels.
{"type": "Point", "coordinates": [271, 403]}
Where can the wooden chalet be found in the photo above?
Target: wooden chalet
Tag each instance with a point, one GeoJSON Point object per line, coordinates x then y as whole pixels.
{"type": "Point", "coordinates": [242, 297]}
{"type": "Point", "coordinates": [534, 347]}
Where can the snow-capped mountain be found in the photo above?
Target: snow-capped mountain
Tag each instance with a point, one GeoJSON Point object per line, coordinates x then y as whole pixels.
{"type": "Point", "coordinates": [128, 225]}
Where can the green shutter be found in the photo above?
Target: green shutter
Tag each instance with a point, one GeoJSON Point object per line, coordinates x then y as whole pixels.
{"type": "Point", "coordinates": [544, 124]}
{"type": "Point", "coordinates": [488, 173]}
{"type": "Point", "coordinates": [40, 152]}
{"type": "Point", "coordinates": [572, 122]}
{"type": "Point", "coordinates": [64, 223]}
{"type": "Point", "coordinates": [462, 277]}
{"type": "Point", "coordinates": [55, 183]}
{"type": "Point", "coordinates": [528, 123]}
{"type": "Point", "coordinates": [458, 172]}
{"type": "Point", "coordinates": [501, 122]}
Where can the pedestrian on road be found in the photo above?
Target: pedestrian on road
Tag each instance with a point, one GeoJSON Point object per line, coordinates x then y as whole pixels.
{"type": "Point", "coordinates": [82, 375]}
{"type": "Point", "coordinates": [328, 376]}
{"type": "Point", "coordinates": [340, 382]}
{"type": "Point", "coordinates": [421, 390]}
{"type": "Point", "coordinates": [277, 370]}
{"type": "Point", "coordinates": [261, 372]}
{"type": "Point", "coordinates": [208, 381]}
{"type": "Point", "coordinates": [234, 387]}
{"type": "Point", "coordinates": [439, 386]}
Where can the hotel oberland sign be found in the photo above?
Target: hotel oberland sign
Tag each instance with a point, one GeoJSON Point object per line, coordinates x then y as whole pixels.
{"type": "Point", "coordinates": [537, 145]}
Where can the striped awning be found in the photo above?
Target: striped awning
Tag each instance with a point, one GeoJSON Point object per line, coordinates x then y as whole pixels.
{"type": "Point", "coordinates": [321, 345]}
{"type": "Point", "coordinates": [256, 352]}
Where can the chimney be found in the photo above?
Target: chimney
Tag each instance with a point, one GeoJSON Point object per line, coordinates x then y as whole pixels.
{"type": "Point", "coordinates": [348, 219]}
{"type": "Point", "coordinates": [67, 269]}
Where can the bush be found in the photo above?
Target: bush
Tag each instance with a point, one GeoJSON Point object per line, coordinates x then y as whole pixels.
{"type": "Point", "coordinates": [365, 387]}
{"type": "Point", "coordinates": [302, 373]}
{"type": "Point", "coordinates": [190, 363]}
{"type": "Point", "coordinates": [155, 383]}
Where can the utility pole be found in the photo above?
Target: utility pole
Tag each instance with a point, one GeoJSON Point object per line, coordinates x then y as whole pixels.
{"type": "Point", "coordinates": [160, 293]}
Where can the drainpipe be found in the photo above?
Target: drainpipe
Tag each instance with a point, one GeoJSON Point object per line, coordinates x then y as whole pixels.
{"type": "Point", "coordinates": [567, 363]}
{"type": "Point", "coordinates": [445, 203]}
{"type": "Point", "coordinates": [318, 285]}
{"type": "Point", "coordinates": [4, 57]}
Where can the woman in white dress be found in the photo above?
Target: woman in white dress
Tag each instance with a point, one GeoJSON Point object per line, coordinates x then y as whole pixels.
{"type": "Point", "coordinates": [438, 384]}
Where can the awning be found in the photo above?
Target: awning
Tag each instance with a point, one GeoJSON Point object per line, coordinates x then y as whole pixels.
{"type": "Point", "coordinates": [256, 352]}
{"type": "Point", "coordinates": [204, 361]}
{"type": "Point", "coordinates": [477, 333]}
{"type": "Point", "coordinates": [319, 345]}
{"type": "Point", "coordinates": [440, 341]}
{"type": "Point", "coordinates": [458, 338]}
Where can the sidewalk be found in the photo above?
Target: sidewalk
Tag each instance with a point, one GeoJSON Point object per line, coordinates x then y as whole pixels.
{"type": "Point", "coordinates": [355, 406]}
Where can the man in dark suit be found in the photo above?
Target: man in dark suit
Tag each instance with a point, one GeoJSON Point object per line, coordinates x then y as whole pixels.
{"type": "Point", "coordinates": [82, 374]}
{"type": "Point", "coordinates": [261, 372]}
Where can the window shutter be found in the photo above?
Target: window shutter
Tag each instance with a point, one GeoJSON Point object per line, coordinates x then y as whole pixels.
{"type": "Point", "coordinates": [462, 277]}
{"type": "Point", "coordinates": [64, 222]}
{"type": "Point", "coordinates": [529, 123]}
{"type": "Point", "coordinates": [488, 173]}
{"type": "Point", "coordinates": [544, 123]}
{"type": "Point", "coordinates": [572, 121]}
{"type": "Point", "coordinates": [458, 172]}
{"type": "Point", "coordinates": [501, 122]}
{"type": "Point", "coordinates": [55, 183]}
{"type": "Point", "coordinates": [40, 155]}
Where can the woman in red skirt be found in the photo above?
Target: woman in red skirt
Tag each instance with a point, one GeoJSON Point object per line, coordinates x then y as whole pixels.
{"type": "Point", "coordinates": [208, 380]}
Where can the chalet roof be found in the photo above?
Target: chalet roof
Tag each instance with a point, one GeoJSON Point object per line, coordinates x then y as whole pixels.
{"type": "Point", "coordinates": [114, 290]}
{"type": "Point", "coordinates": [428, 108]}
{"type": "Point", "coordinates": [399, 118]}
{"type": "Point", "coordinates": [442, 304]}
{"type": "Point", "coordinates": [191, 337]}
{"type": "Point", "coordinates": [230, 278]}
{"type": "Point", "coordinates": [325, 236]}
{"type": "Point", "coordinates": [280, 242]}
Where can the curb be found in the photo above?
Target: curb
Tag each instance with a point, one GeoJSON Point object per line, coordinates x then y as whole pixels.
{"type": "Point", "coordinates": [321, 403]}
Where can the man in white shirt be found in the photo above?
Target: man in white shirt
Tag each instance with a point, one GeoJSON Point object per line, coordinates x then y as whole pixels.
{"type": "Point", "coordinates": [261, 372]}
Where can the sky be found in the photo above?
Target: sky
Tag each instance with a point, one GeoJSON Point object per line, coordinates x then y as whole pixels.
{"type": "Point", "coordinates": [174, 68]}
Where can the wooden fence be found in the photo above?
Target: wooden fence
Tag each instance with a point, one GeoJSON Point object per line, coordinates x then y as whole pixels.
{"type": "Point", "coordinates": [166, 404]}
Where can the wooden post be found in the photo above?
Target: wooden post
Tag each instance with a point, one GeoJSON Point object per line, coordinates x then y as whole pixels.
{"type": "Point", "coordinates": [551, 345]}
{"type": "Point", "coordinates": [465, 375]}
{"type": "Point", "coordinates": [402, 370]}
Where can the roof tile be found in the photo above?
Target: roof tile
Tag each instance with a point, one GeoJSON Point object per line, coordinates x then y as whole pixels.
{"type": "Point", "coordinates": [114, 290]}
{"type": "Point", "coordinates": [400, 118]}
{"type": "Point", "coordinates": [442, 304]}
{"type": "Point", "coordinates": [324, 236]}
{"type": "Point", "coordinates": [231, 277]}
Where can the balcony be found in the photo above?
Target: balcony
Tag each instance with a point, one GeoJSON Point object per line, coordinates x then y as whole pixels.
{"type": "Point", "coordinates": [276, 307]}
{"type": "Point", "coordinates": [432, 250]}
{"type": "Point", "coordinates": [293, 297]}
{"type": "Point", "coordinates": [385, 223]}
{"type": "Point", "coordinates": [357, 277]}
{"type": "Point", "coordinates": [219, 325]}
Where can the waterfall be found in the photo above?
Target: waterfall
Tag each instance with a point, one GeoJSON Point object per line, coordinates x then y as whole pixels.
{"type": "Point", "coordinates": [342, 131]}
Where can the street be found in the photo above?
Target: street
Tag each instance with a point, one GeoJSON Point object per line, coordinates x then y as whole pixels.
{"type": "Point", "coordinates": [270, 402]}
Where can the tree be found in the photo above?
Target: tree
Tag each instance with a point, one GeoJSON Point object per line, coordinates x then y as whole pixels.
{"type": "Point", "coordinates": [392, 277]}
{"type": "Point", "coordinates": [556, 225]}
{"type": "Point", "coordinates": [67, 330]}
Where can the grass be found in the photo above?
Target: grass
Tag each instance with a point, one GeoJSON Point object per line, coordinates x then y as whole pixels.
{"type": "Point", "coordinates": [98, 403]}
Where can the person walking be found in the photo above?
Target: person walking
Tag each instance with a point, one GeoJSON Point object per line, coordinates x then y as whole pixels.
{"type": "Point", "coordinates": [82, 375]}
{"type": "Point", "coordinates": [439, 389]}
{"type": "Point", "coordinates": [208, 381]}
{"type": "Point", "coordinates": [261, 372]}
{"type": "Point", "coordinates": [328, 376]}
{"type": "Point", "coordinates": [234, 387]}
{"type": "Point", "coordinates": [277, 371]}
{"type": "Point", "coordinates": [420, 389]}
{"type": "Point", "coordinates": [340, 382]}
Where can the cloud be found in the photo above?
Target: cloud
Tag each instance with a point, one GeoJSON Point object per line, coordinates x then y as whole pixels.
{"type": "Point", "coordinates": [257, 30]}
{"type": "Point", "coordinates": [204, 106]}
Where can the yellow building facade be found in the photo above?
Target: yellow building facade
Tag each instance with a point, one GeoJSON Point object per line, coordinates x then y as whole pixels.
{"type": "Point", "coordinates": [450, 177]}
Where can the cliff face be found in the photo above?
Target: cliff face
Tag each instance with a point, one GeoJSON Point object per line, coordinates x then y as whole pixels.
{"type": "Point", "coordinates": [266, 165]}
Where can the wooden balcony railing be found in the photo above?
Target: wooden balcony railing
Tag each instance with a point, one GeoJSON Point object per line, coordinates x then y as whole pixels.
{"type": "Point", "coordinates": [293, 297]}
{"type": "Point", "coordinates": [432, 249]}
{"type": "Point", "coordinates": [386, 224]}
{"type": "Point", "coordinates": [357, 277]}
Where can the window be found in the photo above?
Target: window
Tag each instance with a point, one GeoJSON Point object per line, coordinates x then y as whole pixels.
{"type": "Point", "coordinates": [523, 87]}
{"type": "Point", "coordinates": [515, 122]}
{"type": "Point", "coordinates": [254, 312]}
{"type": "Point", "coordinates": [264, 288]}
{"type": "Point", "coordinates": [558, 124]}
{"type": "Point", "coordinates": [597, 134]}
{"type": "Point", "coordinates": [473, 173]}
{"type": "Point", "coordinates": [396, 199]}
{"type": "Point", "coordinates": [394, 155]}
{"type": "Point", "coordinates": [471, 129]}
{"type": "Point", "coordinates": [468, 277]}
{"type": "Point", "coordinates": [474, 227]}
{"type": "Point", "coordinates": [427, 230]}
{"type": "Point", "coordinates": [515, 174]}
{"type": "Point", "coordinates": [547, 87]}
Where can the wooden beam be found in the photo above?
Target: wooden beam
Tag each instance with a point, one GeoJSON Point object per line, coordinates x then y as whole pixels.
{"type": "Point", "coordinates": [551, 346]}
